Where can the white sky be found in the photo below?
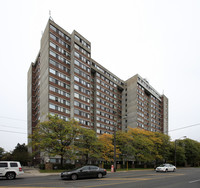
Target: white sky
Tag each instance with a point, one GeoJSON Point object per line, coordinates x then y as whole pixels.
{"type": "Point", "coordinates": [160, 40]}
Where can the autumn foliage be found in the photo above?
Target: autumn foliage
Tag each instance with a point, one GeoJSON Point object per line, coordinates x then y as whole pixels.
{"type": "Point", "coordinates": [68, 140]}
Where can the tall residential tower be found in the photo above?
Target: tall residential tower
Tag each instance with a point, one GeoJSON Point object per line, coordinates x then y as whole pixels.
{"type": "Point", "coordinates": [65, 80]}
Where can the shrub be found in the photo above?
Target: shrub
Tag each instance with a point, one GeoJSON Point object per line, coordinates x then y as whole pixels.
{"type": "Point", "coordinates": [64, 167]}
{"type": "Point", "coordinates": [42, 166]}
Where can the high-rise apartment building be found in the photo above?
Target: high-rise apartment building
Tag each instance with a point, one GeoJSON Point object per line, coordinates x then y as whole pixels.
{"type": "Point", "coordinates": [65, 80]}
{"type": "Point", "coordinates": [143, 106]}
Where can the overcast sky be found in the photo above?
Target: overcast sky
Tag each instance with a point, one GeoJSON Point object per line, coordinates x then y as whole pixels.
{"type": "Point", "coordinates": [159, 40]}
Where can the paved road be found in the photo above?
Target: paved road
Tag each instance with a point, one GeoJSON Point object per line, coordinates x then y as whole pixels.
{"type": "Point", "coordinates": [182, 178]}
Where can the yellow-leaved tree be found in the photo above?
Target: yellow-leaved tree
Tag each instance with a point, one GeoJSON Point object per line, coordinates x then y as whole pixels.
{"type": "Point", "coordinates": [107, 149]}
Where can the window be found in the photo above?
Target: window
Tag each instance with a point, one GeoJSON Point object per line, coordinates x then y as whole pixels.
{"type": "Point", "coordinates": [53, 36]}
{"type": "Point", "coordinates": [76, 103]}
{"type": "Point", "coordinates": [53, 28]}
{"type": "Point", "coordinates": [13, 165]}
{"type": "Point", "coordinates": [61, 33]}
{"type": "Point", "coordinates": [81, 113]}
{"type": "Point", "coordinates": [54, 63]}
{"type": "Point", "coordinates": [82, 89]}
{"type": "Point", "coordinates": [61, 92]}
{"type": "Point", "coordinates": [93, 168]}
{"type": "Point", "coordinates": [53, 54]}
{"type": "Point", "coordinates": [52, 45]}
{"type": "Point", "coordinates": [85, 168]}
{"type": "Point", "coordinates": [58, 108]}
{"type": "Point", "coordinates": [52, 97]}
{"type": "Point", "coordinates": [81, 73]}
{"type": "Point", "coordinates": [76, 87]}
{"type": "Point", "coordinates": [81, 65]}
{"type": "Point", "coordinates": [77, 38]}
{"type": "Point", "coordinates": [52, 106]}
{"type": "Point", "coordinates": [52, 71]}
{"type": "Point", "coordinates": [98, 131]}
{"type": "Point", "coordinates": [55, 81]}
{"type": "Point", "coordinates": [59, 74]}
{"type": "Point", "coordinates": [76, 95]}
{"type": "Point", "coordinates": [76, 54]}
{"type": "Point", "coordinates": [3, 165]}
{"type": "Point", "coordinates": [67, 38]}
{"type": "Point", "coordinates": [76, 111]}
{"type": "Point", "coordinates": [76, 78]}
{"type": "Point", "coordinates": [81, 105]}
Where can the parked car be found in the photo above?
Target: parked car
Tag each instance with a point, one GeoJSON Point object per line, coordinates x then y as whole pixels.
{"type": "Point", "coordinates": [10, 169]}
{"type": "Point", "coordinates": [166, 168]}
{"type": "Point", "coordinates": [84, 172]}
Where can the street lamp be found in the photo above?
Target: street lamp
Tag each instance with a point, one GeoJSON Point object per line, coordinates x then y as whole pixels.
{"type": "Point", "coordinates": [175, 149]}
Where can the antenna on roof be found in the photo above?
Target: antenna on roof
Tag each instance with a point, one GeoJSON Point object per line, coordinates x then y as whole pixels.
{"type": "Point", "coordinates": [50, 15]}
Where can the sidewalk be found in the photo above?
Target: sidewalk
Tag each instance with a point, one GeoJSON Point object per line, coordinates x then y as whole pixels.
{"type": "Point", "coordinates": [31, 171]}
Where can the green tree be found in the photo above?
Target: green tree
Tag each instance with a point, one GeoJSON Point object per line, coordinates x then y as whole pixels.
{"type": "Point", "coordinates": [7, 156]}
{"type": "Point", "coordinates": [125, 144]}
{"type": "Point", "coordinates": [161, 150]}
{"type": "Point", "coordinates": [2, 151]}
{"type": "Point", "coordinates": [20, 153]}
{"type": "Point", "coordinates": [149, 146]}
{"type": "Point", "coordinates": [180, 153]}
{"type": "Point", "coordinates": [192, 151]}
{"type": "Point", "coordinates": [88, 145]}
{"type": "Point", "coordinates": [144, 147]}
{"type": "Point", "coordinates": [55, 137]}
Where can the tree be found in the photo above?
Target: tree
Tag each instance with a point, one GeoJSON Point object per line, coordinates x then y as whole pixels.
{"type": "Point", "coordinates": [125, 144]}
{"type": "Point", "coordinates": [192, 151]}
{"type": "Point", "coordinates": [107, 149]}
{"type": "Point", "coordinates": [161, 147]}
{"type": "Point", "coordinates": [87, 145]}
{"type": "Point", "coordinates": [150, 146]}
{"type": "Point", "coordinates": [7, 156]}
{"type": "Point", "coordinates": [20, 153]}
{"type": "Point", "coordinates": [180, 153]}
{"type": "Point", "coordinates": [144, 146]}
{"type": "Point", "coordinates": [55, 137]}
{"type": "Point", "coordinates": [2, 151]}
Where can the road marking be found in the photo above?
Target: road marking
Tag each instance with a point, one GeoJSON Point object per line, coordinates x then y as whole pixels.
{"type": "Point", "coordinates": [110, 184]}
{"type": "Point", "coordinates": [29, 187]}
{"type": "Point", "coordinates": [129, 180]}
{"type": "Point", "coordinates": [26, 185]}
{"type": "Point", "coordinates": [194, 181]}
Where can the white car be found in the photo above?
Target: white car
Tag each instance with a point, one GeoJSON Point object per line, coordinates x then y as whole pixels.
{"type": "Point", "coordinates": [166, 168]}
{"type": "Point", "coordinates": [10, 169]}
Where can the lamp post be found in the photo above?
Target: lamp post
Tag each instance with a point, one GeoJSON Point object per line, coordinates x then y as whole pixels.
{"type": "Point", "coordinates": [175, 149]}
